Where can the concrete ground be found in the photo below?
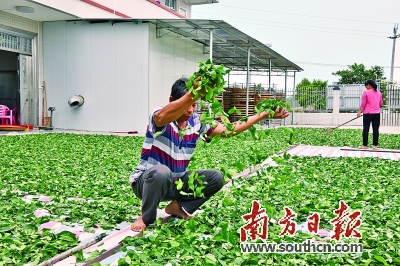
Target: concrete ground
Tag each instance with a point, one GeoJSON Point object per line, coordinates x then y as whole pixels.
{"type": "Point", "coordinates": [73, 131]}
{"type": "Point", "coordinates": [382, 130]}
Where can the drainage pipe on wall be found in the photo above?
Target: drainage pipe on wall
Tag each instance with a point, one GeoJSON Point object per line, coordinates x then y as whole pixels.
{"type": "Point", "coordinates": [76, 101]}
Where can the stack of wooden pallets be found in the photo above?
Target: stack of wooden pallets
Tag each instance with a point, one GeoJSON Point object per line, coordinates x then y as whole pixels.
{"type": "Point", "coordinates": [236, 97]}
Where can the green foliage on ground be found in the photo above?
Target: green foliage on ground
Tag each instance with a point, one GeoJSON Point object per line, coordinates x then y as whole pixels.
{"type": "Point", "coordinates": [306, 185]}
{"type": "Point", "coordinates": [96, 168]}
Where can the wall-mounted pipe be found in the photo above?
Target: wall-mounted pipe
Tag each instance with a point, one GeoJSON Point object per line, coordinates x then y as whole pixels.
{"type": "Point", "coordinates": [76, 101]}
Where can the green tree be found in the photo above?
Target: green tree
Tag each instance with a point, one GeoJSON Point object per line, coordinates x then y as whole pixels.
{"type": "Point", "coordinates": [358, 74]}
{"type": "Point", "coordinates": [311, 94]}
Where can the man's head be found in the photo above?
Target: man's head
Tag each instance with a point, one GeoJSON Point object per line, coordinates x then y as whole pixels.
{"type": "Point", "coordinates": [178, 90]}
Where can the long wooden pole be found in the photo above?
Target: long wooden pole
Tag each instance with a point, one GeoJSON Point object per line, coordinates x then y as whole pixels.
{"type": "Point", "coordinates": [71, 251]}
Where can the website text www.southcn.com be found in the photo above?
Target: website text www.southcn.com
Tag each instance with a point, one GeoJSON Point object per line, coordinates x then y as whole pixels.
{"type": "Point", "coordinates": [307, 246]}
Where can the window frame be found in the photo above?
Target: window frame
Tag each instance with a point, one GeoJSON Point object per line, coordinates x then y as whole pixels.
{"type": "Point", "coordinates": [171, 4]}
{"type": "Point", "coordinates": [184, 10]}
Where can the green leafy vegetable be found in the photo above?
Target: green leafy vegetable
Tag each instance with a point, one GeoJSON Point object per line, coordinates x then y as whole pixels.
{"type": "Point", "coordinates": [97, 167]}
{"type": "Point", "coordinates": [209, 87]}
{"type": "Point", "coordinates": [212, 81]}
{"type": "Point", "coordinates": [270, 106]}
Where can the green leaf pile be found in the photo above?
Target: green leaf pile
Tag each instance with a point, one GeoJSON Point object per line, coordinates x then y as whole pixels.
{"type": "Point", "coordinates": [97, 168]}
{"type": "Point", "coordinates": [306, 185]}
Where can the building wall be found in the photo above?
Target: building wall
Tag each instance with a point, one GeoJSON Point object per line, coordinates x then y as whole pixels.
{"type": "Point", "coordinates": [123, 72]}
{"type": "Point", "coordinates": [323, 119]}
{"type": "Point", "coordinates": [132, 8]}
{"type": "Point", "coordinates": [181, 4]}
{"type": "Point", "coordinates": [20, 24]}
{"type": "Point", "coordinates": [14, 21]}
{"type": "Point", "coordinates": [139, 8]}
{"type": "Point", "coordinates": [77, 8]}
{"type": "Point", "coordinates": [105, 63]}
{"type": "Point", "coordinates": [169, 60]}
{"type": "Point", "coordinates": [32, 26]}
{"type": "Point", "coordinates": [188, 8]}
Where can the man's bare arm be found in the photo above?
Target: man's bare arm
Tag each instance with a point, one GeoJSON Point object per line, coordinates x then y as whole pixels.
{"type": "Point", "coordinates": [173, 110]}
{"type": "Point", "coordinates": [243, 126]}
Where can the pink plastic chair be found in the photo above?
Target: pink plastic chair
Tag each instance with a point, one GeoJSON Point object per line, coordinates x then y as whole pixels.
{"type": "Point", "coordinates": [14, 116]}
{"type": "Point", "coordinates": [6, 115]}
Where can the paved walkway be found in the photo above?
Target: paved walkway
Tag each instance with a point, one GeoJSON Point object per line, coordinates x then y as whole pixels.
{"type": "Point", "coordinates": [72, 131]}
{"type": "Point", "coordinates": [382, 129]}
{"type": "Point", "coordinates": [324, 151]}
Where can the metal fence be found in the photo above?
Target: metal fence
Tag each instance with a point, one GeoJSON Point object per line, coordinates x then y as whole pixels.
{"type": "Point", "coordinates": [349, 97]}
{"type": "Point", "coordinates": [320, 100]}
{"type": "Point", "coordinates": [313, 106]}
{"type": "Point", "coordinates": [390, 114]}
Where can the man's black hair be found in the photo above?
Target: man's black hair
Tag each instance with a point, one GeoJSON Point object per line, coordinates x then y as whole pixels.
{"type": "Point", "coordinates": [372, 83]}
{"type": "Point", "coordinates": [179, 88]}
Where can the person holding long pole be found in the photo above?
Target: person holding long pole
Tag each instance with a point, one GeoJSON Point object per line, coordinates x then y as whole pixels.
{"type": "Point", "coordinates": [371, 103]}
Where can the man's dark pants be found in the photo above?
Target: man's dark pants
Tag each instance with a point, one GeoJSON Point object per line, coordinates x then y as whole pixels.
{"type": "Point", "coordinates": [156, 185]}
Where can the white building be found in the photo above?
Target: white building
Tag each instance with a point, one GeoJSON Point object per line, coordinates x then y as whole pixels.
{"type": "Point", "coordinates": [121, 56]}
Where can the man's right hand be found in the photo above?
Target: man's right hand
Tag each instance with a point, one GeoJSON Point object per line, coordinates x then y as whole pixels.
{"type": "Point", "coordinates": [280, 114]}
{"type": "Point", "coordinates": [201, 92]}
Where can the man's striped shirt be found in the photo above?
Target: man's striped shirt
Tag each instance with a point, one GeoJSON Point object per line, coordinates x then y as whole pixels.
{"type": "Point", "coordinates": [168, 148]}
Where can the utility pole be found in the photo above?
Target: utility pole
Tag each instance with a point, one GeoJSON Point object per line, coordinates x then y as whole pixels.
{"type": "Point", "coordinates": [394, 37]}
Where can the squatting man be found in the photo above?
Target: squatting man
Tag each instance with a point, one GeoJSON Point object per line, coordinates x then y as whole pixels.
{"type": "Point", "coordinates": [166, 155]}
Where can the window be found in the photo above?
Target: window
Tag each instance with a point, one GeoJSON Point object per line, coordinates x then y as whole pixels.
{"type": "Point", "coordinates": [182, 11]}
{"type": "Point", "coordinates": [171, 4]}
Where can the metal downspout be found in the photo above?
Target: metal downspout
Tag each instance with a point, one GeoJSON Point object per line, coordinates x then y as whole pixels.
{"type": "Point", "coordinates": [211, 45]}
{"type": "Point", "coordinates": [294, 90]}
{"type": "Point", "coordinates": [247, 82]}
{"type": "Point", "coordinates": [284, 120]}
{"type": "Point", "coordinates": [269, 75]}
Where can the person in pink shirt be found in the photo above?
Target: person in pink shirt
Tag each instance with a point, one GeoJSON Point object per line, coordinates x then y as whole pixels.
{"type": "Point", "coordinates": [371, 103]}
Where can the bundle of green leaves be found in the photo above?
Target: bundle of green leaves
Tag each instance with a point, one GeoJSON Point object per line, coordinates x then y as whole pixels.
{"type": "Point", "coordinates": [210, 83]}
{"type": "Point", "coordinates": [270, 106]}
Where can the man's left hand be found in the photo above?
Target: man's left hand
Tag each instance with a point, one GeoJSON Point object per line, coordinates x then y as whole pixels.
{"type": "Point", "coordinates": [280, 114]}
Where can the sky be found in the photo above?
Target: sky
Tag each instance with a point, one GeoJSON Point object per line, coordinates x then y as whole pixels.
{"type": "Point", "coordinates": [320, 36]}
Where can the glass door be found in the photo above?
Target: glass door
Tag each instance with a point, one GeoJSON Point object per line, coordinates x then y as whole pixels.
{"type": "Point", "coordinates": [27, 100]}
